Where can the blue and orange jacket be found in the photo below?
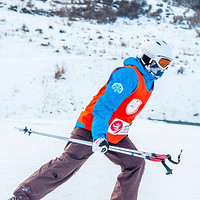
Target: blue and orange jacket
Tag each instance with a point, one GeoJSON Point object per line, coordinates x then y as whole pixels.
{"type": "Point", "coordinates": [118, 102]}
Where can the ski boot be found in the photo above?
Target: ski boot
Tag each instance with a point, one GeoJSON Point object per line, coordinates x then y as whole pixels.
{"type": "Point", "coordinates": [13, 198]}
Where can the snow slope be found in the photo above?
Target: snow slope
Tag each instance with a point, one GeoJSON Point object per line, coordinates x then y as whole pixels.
{"type": "Point", "coordinates": [21, 155]}
{"type": "Point", "coordinates": [32, 46]}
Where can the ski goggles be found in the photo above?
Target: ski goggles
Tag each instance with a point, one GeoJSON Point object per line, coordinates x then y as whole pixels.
{"type": "Point", "coordinates": [164, 62]}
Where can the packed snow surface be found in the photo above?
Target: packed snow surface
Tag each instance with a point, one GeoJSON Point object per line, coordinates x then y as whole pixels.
{"type": "Point", "coordinates": [21, 155]}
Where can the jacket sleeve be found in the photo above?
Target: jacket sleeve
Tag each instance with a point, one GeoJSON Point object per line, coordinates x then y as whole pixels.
{"type": "Point", "coordinates": [121, 84]}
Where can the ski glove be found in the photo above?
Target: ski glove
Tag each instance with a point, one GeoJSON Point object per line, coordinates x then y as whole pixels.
{"type": "Point", "coordinates": [101, 145]}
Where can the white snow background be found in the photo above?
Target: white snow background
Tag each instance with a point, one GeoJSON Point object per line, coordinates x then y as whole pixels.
{"type": "Point", "coordinates": [31, 49]}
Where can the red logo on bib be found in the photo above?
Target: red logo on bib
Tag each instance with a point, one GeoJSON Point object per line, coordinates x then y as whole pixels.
{"type": "Point", "coordinates": [116, 126]}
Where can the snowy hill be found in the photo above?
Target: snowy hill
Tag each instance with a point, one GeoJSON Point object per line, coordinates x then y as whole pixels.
{"type": "Point", "coordinates": [34, 46]}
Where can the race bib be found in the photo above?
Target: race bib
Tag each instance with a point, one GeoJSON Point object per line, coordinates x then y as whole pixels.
{"type": "Point", "coordinates": [119, 127]}
{"type": "Point", "coordinates": [133, 106]}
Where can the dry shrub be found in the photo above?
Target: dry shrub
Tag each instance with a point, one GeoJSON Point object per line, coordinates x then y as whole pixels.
{"type": "Point", "coordinates": [195, 4]}
{"type": "Point", "coordinates": [157, 13]}
{"type": "Point", "coordinates": [198, 34]}
{"type": "Point", "coordinates": [178, 19]}
{"type": "Point", "coordinates": [92, 10]}
{"type": "Point", "coordinates": [193, 21]}
{"type": "Point", "coordinates": [103, 11]}
{"type": "Point", "coordinates": [131, 9]}
{"type": "Point", "coordinates": [59, 72]}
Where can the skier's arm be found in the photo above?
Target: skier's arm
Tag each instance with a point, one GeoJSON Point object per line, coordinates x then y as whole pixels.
{"type": "Point", "coordinates": [122, 83]}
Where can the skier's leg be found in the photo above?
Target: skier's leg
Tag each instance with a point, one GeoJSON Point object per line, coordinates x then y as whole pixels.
{"type": "Point", "coordinates": [57, 171]}
{"type": "Point", "coordinates": [132, 168]}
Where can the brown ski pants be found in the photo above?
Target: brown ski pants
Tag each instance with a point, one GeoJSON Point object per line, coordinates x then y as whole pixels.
{"type": "Point", "coordinates": [57, 171]}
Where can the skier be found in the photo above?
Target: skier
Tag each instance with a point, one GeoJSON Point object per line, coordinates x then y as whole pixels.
{"type": "Point", "coordinates": [105, 120]}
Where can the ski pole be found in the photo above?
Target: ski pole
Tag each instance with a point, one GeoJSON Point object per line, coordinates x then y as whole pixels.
{"type": "Point", "coordinates": [141, 154]}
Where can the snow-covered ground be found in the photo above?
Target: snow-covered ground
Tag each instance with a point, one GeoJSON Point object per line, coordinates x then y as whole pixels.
{"type": "Point", "coordinates": [31, 49]}
{"type": "Point", "coordinates": [21, 155]}
{"type": "Point", "coordinates": [32, 46]}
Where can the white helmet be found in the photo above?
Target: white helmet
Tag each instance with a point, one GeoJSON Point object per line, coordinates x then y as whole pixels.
{"type": "Point", "coordinates": [155, 55]}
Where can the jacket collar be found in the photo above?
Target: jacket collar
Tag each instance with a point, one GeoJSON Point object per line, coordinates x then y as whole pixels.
{"type": "Point", "coordinates": [136, 62]}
